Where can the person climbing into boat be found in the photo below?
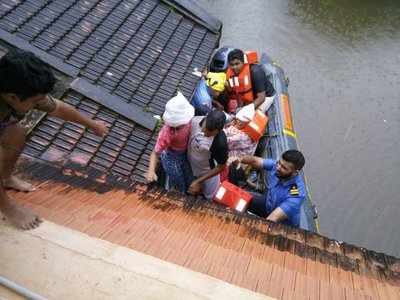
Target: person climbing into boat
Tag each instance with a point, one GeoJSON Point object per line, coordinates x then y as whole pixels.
{"type": "Point", "coordinates": [285, 188]}
{"type": "Point", "coordinates": [247, 83]}
{"type": "Point", "coordinates": [172, 144]}
{"type": "Point", "coordinates": [25, 84]}
{"type": "Point", "coordinates": [207, 153]}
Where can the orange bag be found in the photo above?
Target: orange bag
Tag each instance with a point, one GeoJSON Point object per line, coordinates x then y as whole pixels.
{"type": "Point", "coordinates": [232, 196]}
{"type": "Point", "coordinates": [252, 57]}
{"type": "Point", "coordinates": [256, 128]}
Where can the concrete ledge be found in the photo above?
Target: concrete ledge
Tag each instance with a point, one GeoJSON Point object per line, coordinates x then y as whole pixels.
{"type": "Point", "coordinates": [60, 263]}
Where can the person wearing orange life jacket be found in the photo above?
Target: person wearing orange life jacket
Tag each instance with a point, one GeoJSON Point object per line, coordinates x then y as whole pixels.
{"type": "Point", "coordinates": [247, 83]}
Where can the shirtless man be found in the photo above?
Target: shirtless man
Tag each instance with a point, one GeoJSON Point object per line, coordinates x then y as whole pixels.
{"type": "Point", "coordinates": [25, 83]}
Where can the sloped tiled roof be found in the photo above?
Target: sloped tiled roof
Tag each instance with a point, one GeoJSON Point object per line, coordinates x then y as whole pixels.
{"type": "Point", "coordinates": [272, 259]}
{"type": "Point", "coordinates": [141, 51]}
{"type": "Point", "coordinates": [124, 151]}
{"type": "Point", "coordinates": [126, 60]}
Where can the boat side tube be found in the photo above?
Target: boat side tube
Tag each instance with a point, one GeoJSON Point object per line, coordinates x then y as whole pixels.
{"type": "Point", "coordinates": [281, 135]}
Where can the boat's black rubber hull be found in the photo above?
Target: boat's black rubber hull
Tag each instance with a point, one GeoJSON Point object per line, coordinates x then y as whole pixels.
{"type": "Point", "coordinates": [281, 133]}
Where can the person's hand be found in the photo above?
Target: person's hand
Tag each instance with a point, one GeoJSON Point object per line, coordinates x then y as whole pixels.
{"type": "Point", "coordinates": [100, 128]}
{"type": "Point", "coordinates": [194, 188]}
{"type": "Point", "coordinates": [237, 163]}
{"type": "Point", "coordinates": [204, 73]}
{"type": "Point", "coordinates": [151, 177]}
{"type": "Point", "coordinates": [227, 86]}
{"type": "Point", "coordinates": [218, 106]}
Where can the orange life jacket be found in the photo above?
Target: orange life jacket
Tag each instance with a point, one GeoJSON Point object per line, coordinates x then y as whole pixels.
{"type": "Point", "coordinates": [256, 128]}
{"type": "Point", "coordinates": [240, 85]}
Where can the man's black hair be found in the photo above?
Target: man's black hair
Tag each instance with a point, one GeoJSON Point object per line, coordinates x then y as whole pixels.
{"type": "Point", "coordinates": [215, 120]}
{"type": "Point", "coordinates": [295, 157]}
{"type": "Point", "coordinates": [236, 54]}
{"type": "Point", "coordinates": [24, 74]}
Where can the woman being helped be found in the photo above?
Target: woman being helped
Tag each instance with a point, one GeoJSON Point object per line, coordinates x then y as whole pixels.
{"type": "Point", "coordinates": [172, 144]}
{"type": "Point", "coordinates": [239, 142]}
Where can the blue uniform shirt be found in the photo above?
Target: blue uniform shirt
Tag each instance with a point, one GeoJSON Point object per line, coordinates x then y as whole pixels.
{"type": "Point", "coordinates": [286, 194]}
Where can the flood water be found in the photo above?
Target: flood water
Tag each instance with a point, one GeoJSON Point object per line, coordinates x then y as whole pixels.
{"type": "Point", "coordinates": [343, 61]}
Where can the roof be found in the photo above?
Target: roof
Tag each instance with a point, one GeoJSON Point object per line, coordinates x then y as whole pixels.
{"type": "Point", "coordinates": [141, 52]}
{"type": "Point", "coordinates": [124, 152]}
{"type": "Point", "coordinates": [98, 269]}
{"type": "Point", "coordinates": [125, 59]}
{"type": "Point", "coordinates": [276, 260]}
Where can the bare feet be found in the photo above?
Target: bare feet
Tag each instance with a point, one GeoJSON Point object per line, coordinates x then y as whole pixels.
{"type": "Point", "coordinates": [18, 184]}
{"type": "Point", "coordinates": [20, 217]}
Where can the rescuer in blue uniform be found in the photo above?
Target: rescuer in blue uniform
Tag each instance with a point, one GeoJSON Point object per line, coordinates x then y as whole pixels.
{"type": "Point", "coordinates": [285, 191]}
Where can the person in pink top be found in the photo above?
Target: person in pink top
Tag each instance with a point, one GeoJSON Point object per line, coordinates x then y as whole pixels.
{"type": "Point", "coordinates": [172, 144]}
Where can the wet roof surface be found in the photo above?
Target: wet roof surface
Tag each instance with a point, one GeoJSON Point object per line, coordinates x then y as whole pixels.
{"type": "Point", "coordinates": [272, 259]}
{"type": "Point", "coordinates": [141, 51]}
{"type": "Point", "coordinates": [130, 56]}
{"type": "Point", "coordinates": [123, 152]}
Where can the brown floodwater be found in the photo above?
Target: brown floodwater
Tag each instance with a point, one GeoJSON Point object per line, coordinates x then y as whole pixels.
{"type": "Point", "coordinates": [343, 62]}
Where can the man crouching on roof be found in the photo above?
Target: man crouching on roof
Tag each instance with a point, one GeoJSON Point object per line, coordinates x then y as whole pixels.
{"type": "Point", "coordinates": [285, 188]}
{"type": "Point", "coordinates": [25, 83]}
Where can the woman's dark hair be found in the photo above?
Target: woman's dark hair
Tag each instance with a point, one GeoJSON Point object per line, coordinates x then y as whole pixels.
{"type": "Point", "coordinates": [236, 54]}
{"type": "Point", "coordinates": [24, 74]}
{"type": "Point", "coordinates": [215, 120]}
{"type": "Point", "coordinates": [295, 157]}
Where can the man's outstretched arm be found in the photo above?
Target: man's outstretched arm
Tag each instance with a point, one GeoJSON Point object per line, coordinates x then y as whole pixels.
{"type": "Point", "coordinates": [254, 161]}
{"type": "Point", "coordinates": [69, 113]}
